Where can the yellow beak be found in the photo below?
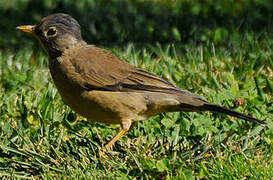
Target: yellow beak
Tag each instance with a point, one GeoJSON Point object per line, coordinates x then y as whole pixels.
{"type": "Point", "coordinates": [27, 29]}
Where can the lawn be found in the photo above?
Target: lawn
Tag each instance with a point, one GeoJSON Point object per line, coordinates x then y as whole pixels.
{"type": "Point", "coordinates": [43, 138]}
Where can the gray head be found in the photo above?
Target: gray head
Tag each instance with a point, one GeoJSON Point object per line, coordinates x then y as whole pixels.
{"type": "Point", "coordinates": [56, 32]}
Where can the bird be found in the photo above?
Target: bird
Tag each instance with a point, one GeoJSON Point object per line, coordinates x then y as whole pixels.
{"type": "Point", "coordinates": [103, 88]}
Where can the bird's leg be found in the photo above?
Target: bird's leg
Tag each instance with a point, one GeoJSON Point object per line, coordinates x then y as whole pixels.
{"type": "Point", "coordinates": [124, 129]}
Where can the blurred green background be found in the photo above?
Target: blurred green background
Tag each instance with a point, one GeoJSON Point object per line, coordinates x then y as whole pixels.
{"type": "Point", "coordinates": [115, 22]}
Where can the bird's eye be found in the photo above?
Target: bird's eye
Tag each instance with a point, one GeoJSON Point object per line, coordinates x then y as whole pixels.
{"type": "Point", "coordinates": [51, 32]}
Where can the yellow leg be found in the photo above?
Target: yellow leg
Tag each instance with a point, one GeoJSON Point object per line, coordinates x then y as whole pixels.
{"type": "Point", "coordinates": [112, 142]}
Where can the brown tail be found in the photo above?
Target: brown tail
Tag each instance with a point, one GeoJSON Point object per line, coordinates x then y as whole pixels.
{"type": "Point", "coordinates": [220, 109]}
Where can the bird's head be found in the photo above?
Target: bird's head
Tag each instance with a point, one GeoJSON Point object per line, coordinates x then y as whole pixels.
{"type": "Point", "coordinates": [56, 32]}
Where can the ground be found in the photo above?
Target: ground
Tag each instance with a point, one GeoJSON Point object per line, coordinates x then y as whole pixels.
{"type": "Point", "coordinates": [43, 138]}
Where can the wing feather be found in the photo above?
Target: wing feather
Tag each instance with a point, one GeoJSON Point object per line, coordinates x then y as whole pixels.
{"type": "Point", "coordinates": [101, 70]}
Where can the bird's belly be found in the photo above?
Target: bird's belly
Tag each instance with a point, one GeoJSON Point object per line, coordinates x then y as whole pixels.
{"type": "Point", "coordinates": [74, 96]}
{"type": "Point", "coordinates": [102, 106]}
{"type": "Point", "coordinates": [90, 107]}
{"type": "Point", "coordinates": [112, 107]}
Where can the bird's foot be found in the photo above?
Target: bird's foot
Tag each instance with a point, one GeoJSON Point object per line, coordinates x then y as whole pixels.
{"type": "Point", "coordinates": [102, 153]}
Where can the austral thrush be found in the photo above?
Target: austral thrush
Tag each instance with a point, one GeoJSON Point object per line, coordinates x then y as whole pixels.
{"type": "Point", "coordinates": [101, 87]}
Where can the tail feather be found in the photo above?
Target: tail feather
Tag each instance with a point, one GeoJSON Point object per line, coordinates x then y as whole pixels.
{"type": "Point", "coordinates": [220, 109]}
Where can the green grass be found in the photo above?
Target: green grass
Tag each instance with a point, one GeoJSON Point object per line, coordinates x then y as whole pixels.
{"type": "Point", "coordinates": [42, 138]}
